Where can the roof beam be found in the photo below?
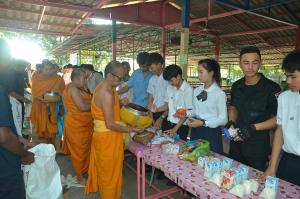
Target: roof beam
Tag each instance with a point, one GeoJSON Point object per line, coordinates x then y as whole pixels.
{"type": "Point", "coordinates": [237, 6]}
{"type": "Point", "coordinates": [41, 18]}
{"type": "Point", "coordinates": [67, 6]}
{"type": "Point", "coordinates": [292, 13]}
{"type": "Point", "coordinates": [12, 29]}
{"type": "Point", "coordinates": [248, 27]}
{"type": "Point", "coordinates": [34, 22]}
{"type": "Point", "coordinates": [37, 12]}
{"type": "Point", "coordinates": [98, 3]}
{"type": "Point", "coordinates": [248, 7]}
{"type": "Point", "coordinates": [251, 32]}
{"type": "Point", "coordinates": [211, 17]}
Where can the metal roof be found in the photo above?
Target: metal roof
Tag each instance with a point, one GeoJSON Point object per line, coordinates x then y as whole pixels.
{"type": "Point", "coordinates": [270, 25]}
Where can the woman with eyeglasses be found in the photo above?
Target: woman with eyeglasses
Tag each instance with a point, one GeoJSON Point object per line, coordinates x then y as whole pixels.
{"type": "Point", "coordinates": [209, 106]}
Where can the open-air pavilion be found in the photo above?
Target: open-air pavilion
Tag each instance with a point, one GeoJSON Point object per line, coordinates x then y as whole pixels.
{"type": "Point", "coordinates": [183, 31]}
{"type": "Point", "coordinates": [217, 28]}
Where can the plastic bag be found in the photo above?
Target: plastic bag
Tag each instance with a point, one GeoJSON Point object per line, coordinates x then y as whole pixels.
{"type": "Point", "coordinates": [191, 150]}
{"type": "Point", "coordinates": [16, 108]}
{"type": "Point", "coordinates": [42, 178]}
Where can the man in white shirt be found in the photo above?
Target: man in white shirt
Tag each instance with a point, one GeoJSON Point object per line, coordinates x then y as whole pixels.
{"type": "Point", "coordinates": [287, 134]}
{"type": "Point", "coordinates": [179, 94]}
{"type": "Point", "coordinates": [157, 87]}
{"type": "Point", "coordinates": [125, 98]}
{"type": "Point", "coordinates": [93, 78]}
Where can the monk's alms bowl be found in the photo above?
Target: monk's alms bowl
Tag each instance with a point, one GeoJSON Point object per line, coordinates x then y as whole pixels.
{"type": "Point", "coordinates": [52, 96]}
{"type": "Point", "coordinates": [135, 116]}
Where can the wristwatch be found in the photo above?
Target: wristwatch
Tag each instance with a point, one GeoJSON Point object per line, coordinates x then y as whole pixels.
{"type": "Point", "coordinates": [163, 116]}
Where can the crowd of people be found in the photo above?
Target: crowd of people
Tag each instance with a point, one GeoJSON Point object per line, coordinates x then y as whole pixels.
{"type": "Point", "coordinates": [88, 115]}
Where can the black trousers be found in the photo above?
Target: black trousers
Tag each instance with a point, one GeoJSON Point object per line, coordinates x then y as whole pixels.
{"type": "Point", "coordinates": [288, 168]}
{"type": "Point", "coordinates": [12, 187]}
{"type": "Point", "coordinates": [252, 153]}
{"type": "Point", "coordinates": [182, 131]}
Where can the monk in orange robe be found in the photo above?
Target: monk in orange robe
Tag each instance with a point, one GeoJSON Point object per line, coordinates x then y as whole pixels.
{"type": "Point", "coordinates": [78, 127]}
{"type": "Point", "coordinates": [106, 162]}
{"type": "Point", "coordinates": [45, 122]}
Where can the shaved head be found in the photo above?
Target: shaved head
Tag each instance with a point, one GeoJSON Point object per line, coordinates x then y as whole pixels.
{"type": "Point", "coordinates": [112, 67]}
{"type": "Point", "coordinates": [77, 73]}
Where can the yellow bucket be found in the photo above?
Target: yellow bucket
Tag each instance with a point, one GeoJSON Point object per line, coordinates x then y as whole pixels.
{"type": "Point", "coordinates": [135, 116]}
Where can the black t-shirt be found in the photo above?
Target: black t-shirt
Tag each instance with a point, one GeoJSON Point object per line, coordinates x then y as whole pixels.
{"type": "Point", "coordinates": [21, 82]}
{"type": "Point", "coordinates": [9, 162]}
{"type": "Point", "coordinates": [8, 80]}
{"type": "Point", "coordinates": [255, 103]}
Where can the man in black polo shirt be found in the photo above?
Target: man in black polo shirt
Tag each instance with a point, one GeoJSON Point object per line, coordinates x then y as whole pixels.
{"type": "Point", "coordinates": [253, 110]}
{"type": "Point", "coordinates": [12, 153]}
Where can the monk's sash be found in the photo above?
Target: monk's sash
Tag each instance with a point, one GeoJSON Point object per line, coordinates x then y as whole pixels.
{"type": "Point", "coordinates": [99, 125]}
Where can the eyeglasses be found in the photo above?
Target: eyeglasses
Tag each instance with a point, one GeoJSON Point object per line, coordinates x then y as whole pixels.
{"type": "Point", "coordinates": [119, 78]}
{"type": "Point", "coordinates": [202, 96]}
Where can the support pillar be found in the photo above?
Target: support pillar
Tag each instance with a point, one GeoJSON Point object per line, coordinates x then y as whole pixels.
{"type": "Point", "coordinates": [114, 40]}
{"type": "Point", "coordinates": [79, 57]}
{"type": "Point", "coordinates": [163, 43]}
{"type": "Point", "coordinates": [217, 48]}
{"type": "Point", "coordinates": [298, 39]}
{"type": "Point", "coordinates": [184, 37]}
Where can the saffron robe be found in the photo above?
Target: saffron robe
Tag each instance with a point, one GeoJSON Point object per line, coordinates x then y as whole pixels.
{"type": "Point", "coordinates": [107, 154]}
{"type": "Point", "coordinates": [78, 131]}
{"type": "Point", "coordinates": [44, 126]}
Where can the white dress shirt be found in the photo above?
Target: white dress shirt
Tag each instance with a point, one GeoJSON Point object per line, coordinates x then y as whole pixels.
{"type": "Point", "coordinates": [182, 97]}
{"type": "Point", "coordinates": [213, 110]}
{"type": "Point", "coordinates": [157, 88]}
{"type": "Point", "coordinates": [288, 116]}
{"type": "Point", "coordinates": [128, 94]}
{"type": "Point", "coordinates": [93, 80]}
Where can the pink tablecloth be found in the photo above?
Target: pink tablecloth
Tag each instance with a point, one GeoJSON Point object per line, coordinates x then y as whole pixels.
{"type": "Point", "coordinates": [137, 149]}
{"type": "Point", "coordinates": [191, 177]}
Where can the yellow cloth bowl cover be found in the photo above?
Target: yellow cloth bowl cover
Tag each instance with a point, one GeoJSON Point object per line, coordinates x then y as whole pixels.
{"type": "Point", "coordinates": [134, 120]}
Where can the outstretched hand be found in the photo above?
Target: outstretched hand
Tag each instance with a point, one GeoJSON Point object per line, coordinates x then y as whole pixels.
{"type": "Point", "coordinates": [28, 158]}
{"type": "Point", "coordinates": [138, 130]}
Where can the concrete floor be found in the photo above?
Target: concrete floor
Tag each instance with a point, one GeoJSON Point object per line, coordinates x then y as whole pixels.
{"type": "Point", "coordinates": [129, 181]}
{"type": "Point", "coordinates": [129, 177]}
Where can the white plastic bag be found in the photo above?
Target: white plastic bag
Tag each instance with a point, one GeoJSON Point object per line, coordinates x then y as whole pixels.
{"type": "Point", "coordinates": [27, 111]}
{"type": "Point", "coordinates": [42, 178]}
{"type": "Point", "coordinates": [16, 108]}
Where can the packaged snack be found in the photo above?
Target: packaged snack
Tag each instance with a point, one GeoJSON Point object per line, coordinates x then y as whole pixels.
{"type": "Point", "coordinates": [180, 112]}
{"type": "Point", "coordinates": [191, 150]}
{"type": "Point", "coordinates": [247, 186]}
{"type": "Point", "coordinates": [272, 183]}
{"type": "Point", "coordinates": [217, 179]}
{"type": "Point", "coordinates": [238, 190]}
{"type": "Point", "coordinates": [160, 139]}
{"type": "Point", "coordinates": [243, 172]}
{"type": "Point", "coordinates": [170, 148]}
{"type": "Point", "coordinates": [230, 178]}
{"type": "Point", "coordinates": [202, 160]}
{"type": "Point", "coordinates": [271, 186]}
{"type": "Point", "coordinates": [254, 185]}
{"type": "Point", "coordinates": [217, 165]}
{"type": "Point", "coordinates": [230, 133]}
{"type": "Point", "coordinates": [227, 163]}
{"type": "Point", "coordinates": [250, 186]}
{"type": "Point", "coordinates": [208, 169]}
